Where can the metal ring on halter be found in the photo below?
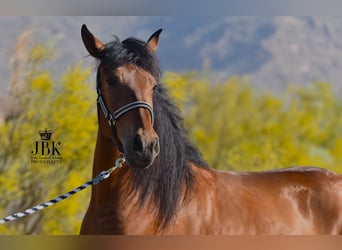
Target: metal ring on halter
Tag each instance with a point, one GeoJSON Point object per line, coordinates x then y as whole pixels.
{"type": "Point", "coordinates": [111, 121]}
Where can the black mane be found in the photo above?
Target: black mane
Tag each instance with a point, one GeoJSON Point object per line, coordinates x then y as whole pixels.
{"type": "Point", "coordinates": [165, 179]}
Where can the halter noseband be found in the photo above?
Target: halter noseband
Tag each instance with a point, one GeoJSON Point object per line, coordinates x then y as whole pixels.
{"type": "Point", "coordinates": [113, 117]}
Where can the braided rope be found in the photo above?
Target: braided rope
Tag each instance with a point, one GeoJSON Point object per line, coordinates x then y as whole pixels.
{"type": "Point", "coordinates": [100, 177]}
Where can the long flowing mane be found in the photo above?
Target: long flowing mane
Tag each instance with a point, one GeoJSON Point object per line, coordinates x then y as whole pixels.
{"type": "Point", "coordinates": [170, 173]}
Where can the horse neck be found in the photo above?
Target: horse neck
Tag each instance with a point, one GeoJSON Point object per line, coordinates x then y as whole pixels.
{"type": "Point", "coordinates": [106, 152]}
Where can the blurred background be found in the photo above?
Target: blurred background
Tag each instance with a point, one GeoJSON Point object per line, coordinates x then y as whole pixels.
{"type": "Point", "coordinates": [256, 92]}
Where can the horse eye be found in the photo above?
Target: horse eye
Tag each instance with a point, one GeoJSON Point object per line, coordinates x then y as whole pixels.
{"type": "Point", "coordinates": [154, 87]}
{"type": "Point", "coordinates": [112, 81]}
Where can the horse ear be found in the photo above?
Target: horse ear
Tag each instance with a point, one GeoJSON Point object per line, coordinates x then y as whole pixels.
{"type": "Point", "coordinates": [92, 44]}
{"type": "Point", "coordinates": [153, 41]}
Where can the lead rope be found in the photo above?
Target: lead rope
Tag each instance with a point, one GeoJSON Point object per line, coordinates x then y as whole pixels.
{"type": "Point", "coordinates": [100, 177]}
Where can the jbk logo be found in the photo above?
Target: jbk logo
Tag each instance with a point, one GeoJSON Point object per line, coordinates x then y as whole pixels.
{"type": "Point", "coordinates": [46, 151]}
{"type": "Point", "coordinates": [46, 148]}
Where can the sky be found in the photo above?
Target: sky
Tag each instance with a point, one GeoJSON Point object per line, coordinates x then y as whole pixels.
{"type": "Point", "coordinates": [269, 50]}
{"type": "Point", "coordinates": [175, 7]}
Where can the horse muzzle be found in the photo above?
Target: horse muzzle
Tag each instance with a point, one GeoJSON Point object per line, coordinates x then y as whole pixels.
{"type": "Point", "coordinates": [142, 150]}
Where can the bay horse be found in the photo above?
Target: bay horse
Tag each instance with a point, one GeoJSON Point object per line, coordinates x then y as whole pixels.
{"type": "Point", "coordinates": [166, 187]}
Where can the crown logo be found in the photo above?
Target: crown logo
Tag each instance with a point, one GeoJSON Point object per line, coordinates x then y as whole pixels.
{"type": "Point", "coordinates": [45, 135]}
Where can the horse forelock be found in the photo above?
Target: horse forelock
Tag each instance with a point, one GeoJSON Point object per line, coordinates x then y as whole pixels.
{"type": "Point", "coordinates": [130, 51]}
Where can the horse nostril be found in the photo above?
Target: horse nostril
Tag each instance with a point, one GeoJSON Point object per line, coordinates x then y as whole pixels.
{"type": "Point", "coordinates": [155, 147]}
{"type": "Point", "coordinates": [138, 144]}
{"type": "Point", "coordinates": [145, 149]}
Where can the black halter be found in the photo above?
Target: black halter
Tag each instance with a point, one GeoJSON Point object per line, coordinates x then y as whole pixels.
{"type": "Point", "coordinates": [113, 117]}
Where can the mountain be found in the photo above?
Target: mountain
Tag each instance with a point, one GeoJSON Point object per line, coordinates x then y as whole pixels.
{"type": "Point", "coordinates": [271, 51]}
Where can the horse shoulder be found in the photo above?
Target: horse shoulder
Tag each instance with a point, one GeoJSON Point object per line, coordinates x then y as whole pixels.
{"type": "Point", "coordinates": [210, 197]}
{"type": "Point", "coordinates": [196, 211]}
